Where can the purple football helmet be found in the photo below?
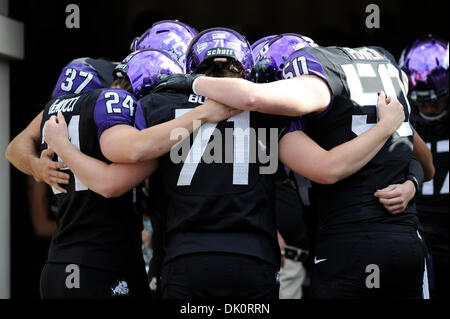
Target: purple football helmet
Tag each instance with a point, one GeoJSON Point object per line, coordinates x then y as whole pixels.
{"type": "Point", "coordinates": [145, 68]}
{"type": "Point", "coordinates": [168, 35]}
{"type": "Point", "coordinates": [219, 42]}
{"type": "Point", "coordinates": [270, 60]}
{"type": "Point", "coordinates": [257, 45]}
{"type": "Point", "coordinates": [83, 74]}
{"type": "Point", "coordinates": [426, 64]}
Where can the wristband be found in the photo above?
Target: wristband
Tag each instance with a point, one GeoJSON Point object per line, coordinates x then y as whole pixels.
{"type": "Point", "coordinates": [413, 179]}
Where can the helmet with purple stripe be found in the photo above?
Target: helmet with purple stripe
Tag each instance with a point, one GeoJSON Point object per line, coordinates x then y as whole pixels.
{"type": "Point", "coordinates": [172, 36]}
{"type": "Point", "coordinates": [426, 64]}
{"type": "Point", "coordinates": [219, 43]}
{"type": "Point", "coordinates": [145, 68]}
{"type": "Point", "coordinates": [273, 55]}
{"type": "Point", "coordinates": [258, 44]}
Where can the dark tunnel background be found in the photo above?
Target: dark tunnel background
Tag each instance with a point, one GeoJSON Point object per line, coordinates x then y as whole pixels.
{"type": "Point", "coordinates": [107, 28]}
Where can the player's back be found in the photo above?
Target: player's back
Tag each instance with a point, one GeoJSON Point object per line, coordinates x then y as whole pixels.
{"type": "Point", "coordinates": [92, 230]}
{"type": "Point", "coordinates": [219, 182]}
{"type": "Point", "coordinates": [355, 76]}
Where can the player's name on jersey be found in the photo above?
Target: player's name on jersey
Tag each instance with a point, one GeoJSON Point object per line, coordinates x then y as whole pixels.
{"type": "Point", "coordinates": [63, 105]}
{"type": "Point", "coordinates": [364, 54]}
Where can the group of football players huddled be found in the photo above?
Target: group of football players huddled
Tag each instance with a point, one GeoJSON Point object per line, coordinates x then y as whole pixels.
{"type": "Point", "coordinates": [196, 129]}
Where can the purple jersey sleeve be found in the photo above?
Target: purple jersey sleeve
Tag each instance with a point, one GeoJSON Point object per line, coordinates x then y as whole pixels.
{"type": "Point", "coordinates": [297, 124]}
{"type": "Point", "coordinates": [139, 119]}
{"type": "Point", "coordinates": [303, 62]}
{"type": "Point", "coordinates": [76, 78]}
{"type": "Point", "coordinates": [114, 107]}
{"type": "Point", "coordinates": [299, 63]}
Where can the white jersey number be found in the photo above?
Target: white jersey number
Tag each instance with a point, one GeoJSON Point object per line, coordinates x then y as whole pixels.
{"type": "Point", "coordinates": [241, 149]}
{"type": "Point", "coordinates": [71, 74]}
{"type": "Point", "coordinates": [74, 138]}
{"type": "Point", "coordinates": [428, 187]}
{"type": "Point", "coordinates": [386, 72]}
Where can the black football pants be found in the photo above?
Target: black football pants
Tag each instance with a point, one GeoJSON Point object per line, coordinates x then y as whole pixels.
{"type": "Point", "coordinates": [386, 262]}
{"type": "Point", "coordinates": [219, 275]}
{"type": "Point", "coordinates": [59, 282]}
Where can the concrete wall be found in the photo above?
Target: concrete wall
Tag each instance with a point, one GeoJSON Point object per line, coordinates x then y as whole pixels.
{"type": "Point", "coordinates": [11, 47]}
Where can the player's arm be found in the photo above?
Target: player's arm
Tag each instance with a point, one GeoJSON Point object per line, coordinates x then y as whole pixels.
{"type": "Point", "coordinates": [108, 180]}
{"type": "Point", "coordinates": [423, 154]}
{"type": "Point", "coordinates": [395, 197]}
{"type": "Point", "coordinates": [125, 144]}
{"type": "Point", "coordinates": [22, 153]}
{"type": "Point", "coordinates": [302, 155]}
{"type": "Point", "coordinates": [298, 96]}
{"type": "Point", "coordinates": [304, 91]}
{"type": "Point", "coordinates": [22, 150]}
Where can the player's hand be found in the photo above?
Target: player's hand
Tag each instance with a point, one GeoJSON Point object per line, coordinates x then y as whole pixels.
{"type": "Point", "coordinates": [55, 132]}
{"type": "Point", "coordinates": [396, 197]}
{"type": "Point", "coordinates": [214, 112]}
{"type": "Point", "coordinates": [176, 82]}
{"type": "Point", "coordinates": [48, 171]}
{"type": "Point", "coordinates": [390, 111]}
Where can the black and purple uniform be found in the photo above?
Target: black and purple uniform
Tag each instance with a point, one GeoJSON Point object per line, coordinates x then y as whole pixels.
{"type": "Point", "coordinates": [220, 216]}
{"type": "Point", "coordinates": [432, 202]}
{"type": "Point", "coordinates": [101, 236]}
{"type": "Point", "coordinates": [355, 230]}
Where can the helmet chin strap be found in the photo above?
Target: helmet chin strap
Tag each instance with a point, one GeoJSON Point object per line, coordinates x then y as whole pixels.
{"type": "Point", "coordinates": [435, 117]}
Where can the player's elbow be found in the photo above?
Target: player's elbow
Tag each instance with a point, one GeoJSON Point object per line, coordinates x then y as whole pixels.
{"type": "Point", "coordinates": [428, 173]}
{"type": "Point", "coordinates": [8, 152]}
{"type": "Point", "coordinates": [135, 152]}
{"type": "Point", "coordinates": [326, 178]}
{"type": "Point", "coordinates": [144, 150]}
{"type": "Point", "coordinates": [110, 194]}
{"type": "Point", "coordinates": [134, 155]}
{"type": "Point", "coordinates": [111, 191]}
{"type": "Point", "coordinates": [328, 173]}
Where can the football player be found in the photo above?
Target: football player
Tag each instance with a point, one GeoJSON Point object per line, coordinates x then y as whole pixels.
{"type": "Point", "coordinates": [337, 88]}
{"type": "Point", "coordinates": [79, 75]}
{"type": "Point", "coordinates": [269, 67]}
{"type": "Point", "coordinates": [219, 229]}
{"type": "Point", "coordinates": [426, 63]}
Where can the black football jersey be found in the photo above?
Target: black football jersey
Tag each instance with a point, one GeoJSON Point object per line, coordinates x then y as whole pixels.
{"type": "Point", "coordinates": [432, 202]}
{"type": "Point", "coordinates": [219, 182]}
{"type": "Point", "coordinates": [355, 76]}
{"type": "Point", "coordinates": [92, 230]}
